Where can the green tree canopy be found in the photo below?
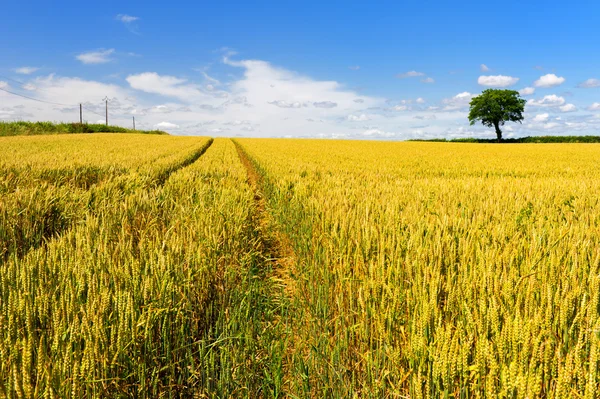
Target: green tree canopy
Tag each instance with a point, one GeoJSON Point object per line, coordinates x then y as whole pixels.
{"type": "Point", "coordinates": [494, 107]}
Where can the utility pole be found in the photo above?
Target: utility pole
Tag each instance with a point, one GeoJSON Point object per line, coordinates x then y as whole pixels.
{"type": "Point", "coordinates": [134, 123]}
{"type": "Point", "coordinates": [106, 100]}
{"type": "Point", "coordinates": [80, 114]}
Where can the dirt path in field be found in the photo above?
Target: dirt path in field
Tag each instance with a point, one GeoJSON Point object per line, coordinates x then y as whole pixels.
{"type": "Point", "coordinates": [277, 251]}
{"type": "Point", "coordinates": [193, 157]}
{"type": "Point", "coordinates": [277, 246]}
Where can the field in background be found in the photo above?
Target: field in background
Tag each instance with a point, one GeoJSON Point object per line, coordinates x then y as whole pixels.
{"type": "Point", "coordinates": [43, 128]}
{"type": "Point", "coordinates": [147, 265]}
{"type": "Point", "coordinates": [528, 139]}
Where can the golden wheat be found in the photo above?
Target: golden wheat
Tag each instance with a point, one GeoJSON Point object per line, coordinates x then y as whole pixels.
{"type": "Point", "coordinates": [142, 266]}
{"type": "Point", "coordinates": [439, 270]}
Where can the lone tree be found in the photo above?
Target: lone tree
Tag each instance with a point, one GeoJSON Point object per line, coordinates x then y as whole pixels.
{"type": "Point", "coordinates": [494, 107]}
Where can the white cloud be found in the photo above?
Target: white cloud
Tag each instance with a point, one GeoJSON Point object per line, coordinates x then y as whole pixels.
{"type": "Point", "coordinates": [459, 101]}
{"type": "Point", "coordinates": [151, 82]}
{"type": "Point", "coordinates": [237, 123]}
{"type": "Point", "coordinates": [497, 81]}
{"type": "Point", "coordinates": [484, 68]}
{"type": "Point", "coordinates": [551, 125]}
{"type": "Point", "coordinates": [96, 57]}
{"type": "Point", "coordinates": [410, 74]}
{"type": "Point", "coordinates": [590, 83]}
{"type": "Point", "coordinates": [400, 108]}
{"type": "Point", "coordinates": [568, 108]}
{"type": "Point", "coordinates": [594, 107]}
{"type": "Point", "coordinates": [325, 104]}
{"type": "Point", "coordinates": [126, 19]}
{"type": "Point", "coordinates": [71, 92]}
{"type": "Point", "coordinates": [251, 97]}
{"type": "Point", "coordinates": [378, 133]}
{"type": "Point", "coordinates": [358, 118]}
{"type": "Point", "coordinates": [551, 100]}
{"type": "Point", "coordinates": [285, 104]}
{"type": "Point", "coordinates": [3, 84]}
{"type": "Point", "coordinates": [26, 70]}
{"type": "Point", "coordinates": [162, 109]}
{"type": "Point", "coordinates": [527, 91]}
{"type": "Point", "coordinates": [425, 117]}
{"type": "Point", "coordinates": [549, 80]}
{"type": "Point", "coordinates": [428, 80]}
{"type": "Point", "coordinates": [354, 67]}
{"type": "Point", "coordinates": [74, 90]}
{"type": "Point", "coordinates": [166, 126]}
{"type": "Point", "coordinates": [541, 117]}
{"type": "Point", "coordinates": [420, 100]}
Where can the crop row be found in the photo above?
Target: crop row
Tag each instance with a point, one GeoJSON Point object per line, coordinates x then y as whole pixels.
{"type": "Point", "coordinates": [437, 270]}
{"type": "Point", "coordinates": [155, 290]}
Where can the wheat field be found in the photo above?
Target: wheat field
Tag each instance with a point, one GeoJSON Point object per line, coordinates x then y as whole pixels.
{"type": "Point", "coordinates": [158, 266]}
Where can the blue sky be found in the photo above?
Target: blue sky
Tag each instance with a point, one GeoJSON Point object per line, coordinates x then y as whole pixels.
{"type": "Point", "coordinates": [390, 70]}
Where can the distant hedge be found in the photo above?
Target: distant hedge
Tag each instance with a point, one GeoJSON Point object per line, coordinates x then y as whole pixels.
{"type": "Point", "coordinates": [39, 128]}
{"type": "Point", "coordinates": [528, 139]}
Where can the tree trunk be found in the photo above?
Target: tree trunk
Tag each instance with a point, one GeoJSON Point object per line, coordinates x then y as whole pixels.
{"type": "Point", "coordinates": [498, 131]}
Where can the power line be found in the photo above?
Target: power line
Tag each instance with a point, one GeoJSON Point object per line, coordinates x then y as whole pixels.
{"type": "Point", "coordinates": [38, 89]}
{"type": "Point", "coordinates": [23, 84]}
{"type": "Point", "coordinates": [93, 112]}
{"type": "Point", "coordinates": [14, 80]}
{"type": "Point", "coordinates": [50, 102]}
{"type": "Point", "coordinates": [36, 99]}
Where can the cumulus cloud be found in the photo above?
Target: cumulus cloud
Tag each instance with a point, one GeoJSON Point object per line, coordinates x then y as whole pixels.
{"type": "Point", "coordinates": [589, 84]}
{"type": "Point", "coordinates": [551, 125]}
{"type": "Point", "coordinates": [549, 80]}
{"type": "Point", "coordinates": [3, 84]}
{"type": "Point", "coordinates": [250, 97]}
{"type": "Point", "coordinates": [420, 100]}
{"type": "Point", "coordinates": [151, 82]}
{"type": "Point", "coordinates": [166, 126]}
{"type": "Point", "coordinates": [358, 118]}
{"type": "Point", "coordinates": [428, 80]}
{"type": "Point", "coordinates": [568, 108]}
{"type": "Point", "coordinates": [541, 117]}
{"type": "Point", "coordinates": [410, 74]}
{"type": "Point", "coordinates": [497, 81]}
{"type": "Point", "coordinates": [95, 57]}
{"type": "Point", "coordinates": [378, 133]}
{"type": "Point", "coordinates": [484, 68]}
{"type": "Point", "coordinates": [76, 90]}
{"type": "Point", "coordinates": [459, 101]}
{"type": "Point", "coordinates": [527, 91]}
{"type": "Point", "coordinates": [551, 100]}
{"type": "Point", "coordinates": [425, 117]}
{"type": "Point", "coordinates": [73, 91]}
{"type": "Point", "coordinates": [400, 108]}
{"type": "Point", "coordinates": [26, 70]}
{"type": "Point", "coordinates": [325, 104]}
{"type": "Point", "coordinates": [285, 104]}
{"type": "Point", "coordinates": [594, 107]}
